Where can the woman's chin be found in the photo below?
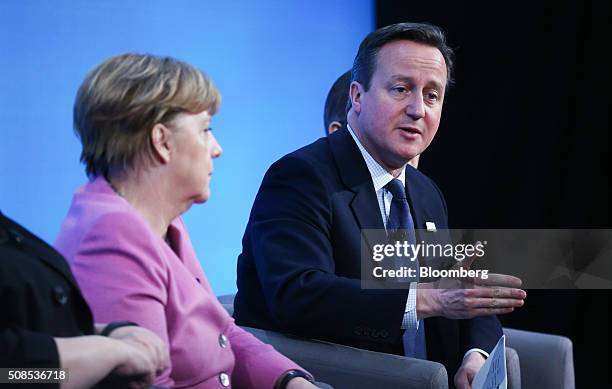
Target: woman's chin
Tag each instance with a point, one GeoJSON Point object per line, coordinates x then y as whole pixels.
{"type": "Point", "coordinates": [202, 198]}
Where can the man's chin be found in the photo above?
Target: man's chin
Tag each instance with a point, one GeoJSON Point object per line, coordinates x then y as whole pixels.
{"type": "Point", "coordinates": [407, 155]}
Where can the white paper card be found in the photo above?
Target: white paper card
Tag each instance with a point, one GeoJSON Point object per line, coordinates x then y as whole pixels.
{"type": "Point", "coordinates": [493, 373]}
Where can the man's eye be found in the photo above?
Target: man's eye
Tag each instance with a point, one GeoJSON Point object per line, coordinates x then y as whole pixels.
{"type": "Point", "coordinates": [432, 96]}
{"type": "Point", "coordinates": [400, 89]}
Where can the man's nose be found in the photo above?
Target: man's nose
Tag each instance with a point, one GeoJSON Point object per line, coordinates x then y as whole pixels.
{"type": "Point", "coordinates": [416, 106]}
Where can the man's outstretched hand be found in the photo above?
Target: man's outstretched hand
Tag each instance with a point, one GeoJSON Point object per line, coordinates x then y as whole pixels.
{"type": "Point", "coordinates": [465, 298]}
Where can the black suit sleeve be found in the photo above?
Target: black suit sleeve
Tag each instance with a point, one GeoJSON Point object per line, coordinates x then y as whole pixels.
{"type": "Point", "coordinates": [291, 225]}
{"type": "Point", "coordinates": [481, 332]}
{"type": "Point", "coordinates": [39, 300]}
{"type": "Point", "coordinates": [21, 348]}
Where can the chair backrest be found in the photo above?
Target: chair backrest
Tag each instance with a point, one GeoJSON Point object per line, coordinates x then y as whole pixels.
{"type": "Point", "coordinates": [227, 300]}
{"type": "Point", "coordinates": [546, 360]}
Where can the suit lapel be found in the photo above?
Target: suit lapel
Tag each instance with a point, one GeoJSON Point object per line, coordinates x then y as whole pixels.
{"type": "Point", "coordinates": [416, 199]}
{"type": "Point", "coordinates": [355, 175]}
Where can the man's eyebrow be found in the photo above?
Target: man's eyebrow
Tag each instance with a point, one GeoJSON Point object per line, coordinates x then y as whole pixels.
{"type": "Point", "coordinates": [432, 83]}
{"type": "Point", "coordinates": [399, 77]}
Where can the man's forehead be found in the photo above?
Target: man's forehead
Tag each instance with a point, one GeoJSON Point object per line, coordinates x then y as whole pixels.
{"type": "Point", "coordinates": [406, 53]}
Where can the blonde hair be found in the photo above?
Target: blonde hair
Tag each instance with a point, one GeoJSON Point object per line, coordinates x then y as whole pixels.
{"type": "Point", "coordinates": [121, 100]}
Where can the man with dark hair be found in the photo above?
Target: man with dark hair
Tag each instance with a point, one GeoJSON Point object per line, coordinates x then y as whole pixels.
{"type": "Point", "coordinates": [299, 270]}
{"type": "Point", "coordinates": [337, 104]}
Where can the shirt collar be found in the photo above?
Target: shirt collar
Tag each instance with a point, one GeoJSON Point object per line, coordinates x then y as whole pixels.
{"type": "Point", "coordinates": [380, 177]}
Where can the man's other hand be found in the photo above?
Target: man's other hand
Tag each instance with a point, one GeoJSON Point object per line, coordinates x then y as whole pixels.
{"type": "Point", "coordinates": [467, 371]}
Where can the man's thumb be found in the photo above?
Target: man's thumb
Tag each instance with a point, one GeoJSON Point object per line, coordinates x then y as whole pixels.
{"type": "Point", "coordinates": [467, 262]}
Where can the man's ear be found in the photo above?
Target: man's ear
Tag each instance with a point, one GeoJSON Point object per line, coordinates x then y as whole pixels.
{"type": "Point", "coordinates": [355, 92]}
{"type": "Point", "coordinates": [161, 142]}
{"type": "Point", "coordinates": [333, 127]}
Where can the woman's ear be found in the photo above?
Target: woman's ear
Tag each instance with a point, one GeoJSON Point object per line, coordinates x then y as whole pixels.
{"type": "Point", "coordinates": [161, 142]}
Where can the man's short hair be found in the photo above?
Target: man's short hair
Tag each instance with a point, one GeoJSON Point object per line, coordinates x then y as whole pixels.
{"type": "Point", "coordinates": [337, 101]}
{"type": "Point", "coordinates": [123, 98]}
{"type": "Point", "coordinates": [428, 34]}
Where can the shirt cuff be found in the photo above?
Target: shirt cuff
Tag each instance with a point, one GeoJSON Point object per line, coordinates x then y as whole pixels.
{"type": "Point", "coordinates": [409, 321]}
{"type": "Point", "coordinates": [478, 350]}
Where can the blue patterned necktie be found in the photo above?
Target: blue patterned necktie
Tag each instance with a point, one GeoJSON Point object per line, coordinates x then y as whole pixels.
{"type": "Point", "coordinates": [400, 218]}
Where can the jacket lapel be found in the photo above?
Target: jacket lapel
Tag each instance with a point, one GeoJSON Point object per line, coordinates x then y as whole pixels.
{"type": "Point", "coordinates": [356, 177]}
{"type": "Point", "coordinates": [416, 199]}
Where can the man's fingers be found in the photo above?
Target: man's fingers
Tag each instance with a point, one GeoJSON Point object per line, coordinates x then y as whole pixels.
{"type": "Point", "coordinates": [491, 311]}
{"type": "Point", "coordinates": [461, 380]}
{"type": "Point", "coordinates": [507, 293]}
{"type": "Point", "coordinates": [495, 279]}
{"type": "Point", "coordinates": [494, 303]}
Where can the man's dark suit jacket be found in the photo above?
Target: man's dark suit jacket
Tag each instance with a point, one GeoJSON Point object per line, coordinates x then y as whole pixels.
{"type": "Point", "coordinates": [299, 271]}
{"type": "Point", "coordinates": [40, 299]}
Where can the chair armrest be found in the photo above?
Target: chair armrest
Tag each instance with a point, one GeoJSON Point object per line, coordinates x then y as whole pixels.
{"type": "Point", "coordinates": [349, 367]}
{"type": "Point", "coordinates": [513, 369]}
{"type": "Point", "coordinates": [546, 360]}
